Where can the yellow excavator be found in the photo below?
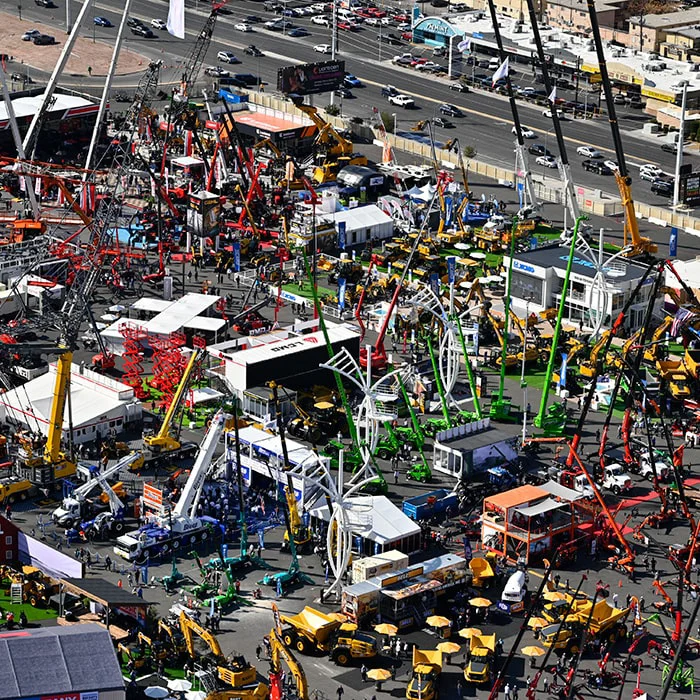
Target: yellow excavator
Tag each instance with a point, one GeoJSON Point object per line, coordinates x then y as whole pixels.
{"type": "Point", "coordinates": [531, 352]}
{"type": "Point", "coordinates": [235, 672]}
{"type": "Point", "coordinates": [300, 532]}
{"type": "Point", "coordinates": [172, 636]}
{"type": "Point", "coordinates": [333, 150]}
{"type": "Point", "coordinates": [587, 367]}
{"type": "Point", "coordinates": [163, 446]}
{"type": "Point", "coordinates": [279, 652]}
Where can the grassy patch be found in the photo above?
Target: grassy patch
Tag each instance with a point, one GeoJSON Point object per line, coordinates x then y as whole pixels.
{"type": "Point", "coordinates": [33, 614]}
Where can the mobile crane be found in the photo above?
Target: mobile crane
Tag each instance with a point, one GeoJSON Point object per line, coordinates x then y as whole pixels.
{"type": "Point", "coordinates": [77, 506]}
{"type": "Point", "coordinates": [163, 447]}
{"type": "Point", "coordinates": [333, 151]}
{"type": "Point", "coordinates": [235, 672]}
{"type": "Point", "coordinates": [182, 526]}
{"type": "Point", "coordinates": [638, 245]}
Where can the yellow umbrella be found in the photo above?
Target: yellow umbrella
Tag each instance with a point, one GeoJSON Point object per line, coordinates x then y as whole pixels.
{"type": "Point", "coordinates": [469, 632]}
{"type": "Point", "coordinates": [438, 621]}
{"type": "Point", "coordinates": [553, 596]}
{"type": "Point", "coordinates": [448, 647]}
{"type": "Point", "coordinates": [480, 602]}
{"type": "Point", "coordinates": [386, 628]}
{"type": "Point", "coordinates": [379, 674]}
{"type": "Point", "coordinates": [533, 651]}
{"type": "Point", "coordinates": [536, 623]}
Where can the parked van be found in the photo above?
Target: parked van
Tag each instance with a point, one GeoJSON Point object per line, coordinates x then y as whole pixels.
{"type": "Point", "coordinates": [515, 591]}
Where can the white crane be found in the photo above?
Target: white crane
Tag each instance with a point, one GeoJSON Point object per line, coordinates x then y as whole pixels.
{"type": "Point", "coordinates": [70, 512]}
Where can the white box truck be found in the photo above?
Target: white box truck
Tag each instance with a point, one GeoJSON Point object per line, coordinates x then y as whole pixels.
{"type": "Point", "coordinates": [369, 567]}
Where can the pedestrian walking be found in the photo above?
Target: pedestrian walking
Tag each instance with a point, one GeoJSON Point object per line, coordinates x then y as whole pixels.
{"type": "Point", "coordinates": [258, 652]}
{"type": "Point", "coordinates": [460, 688]}
{"type": "Point", "coordinates": [545, 685]}
{"type": "Point", "coordinates": [614, 600]}
{"type": "Point", "coordinates": [641, 603]}
{"type": "Point", "coordinates": [506, 691]}
{"type": "Point", "coordinates": [396, 475]}
{"type": "Point", "coordinates": [363, 671]}
{"type": "Point", "coordinates": [340, 692]}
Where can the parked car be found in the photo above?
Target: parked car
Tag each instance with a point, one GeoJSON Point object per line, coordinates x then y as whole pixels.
{"type": "Point", "coordinates": [216, 72]}
{"type": "Point", "coordinates": [21, 78]}
{"type": "Point", "coordinates": [323, 48]}
{"type": "Point", "coordinates": [443, 123]}
{"type": "Point", "coordinates": [450, 110]}
{"type": "Point", "coordinates": [140, 30]}
{"type": "Point", "coordinates": [227, 57]}
{"type": "Point", "coordinates": [405, 59]}
{"type": "Point", "coordinates": [662, 187]}
{"type": "Point", "coordinates": [159, 24]}
{"type": "Point", "coordinates": [320, 19]}
{"type": "Point", "coordinates": [537, 149]}
{"type": "Point", "coordinates": [527, 133]}
{"type": "Point", "coordinates": [619, 99]}
{"type": "Point", "coordinates": [634, 101]}
{"type": "Point", "coordinates": [44, 40]}
{"type": "Point", "coordinates": [596, 166]}
{"type": "Point", "coordinates": [564, 83]}
{"type": "Point", "coordinates": [547, 161]}
{"type": "Point", "coordinates": [589, 152]}
{"type": "Point", "coordinates": [102, 22]}
{"type": "Point", "coordinates": [29, 35]}
{"type": "Point", "coordinates": [253, 50]}
{"type": "Point", "coordinates": [402, 100]}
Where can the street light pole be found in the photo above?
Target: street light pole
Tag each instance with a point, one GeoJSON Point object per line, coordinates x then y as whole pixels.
{"type": "Point", "coordinates": [393, 114]}
{"type": "Point", "coordinates": [679, 149]}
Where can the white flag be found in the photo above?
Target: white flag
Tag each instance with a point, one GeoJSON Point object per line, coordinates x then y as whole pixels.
{"type": "Point", "coordinates": [464, 45]}
{"type": "Point", "coordinates": [502, 72]}
{"type": "Point", "coordinates": [176, 18]}
{"type": "Point", "coordinates": [553, 95]}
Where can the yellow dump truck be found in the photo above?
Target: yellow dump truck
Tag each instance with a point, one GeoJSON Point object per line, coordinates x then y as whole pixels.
{"type": "Point", "coordinates": [482, 572]}
{"type": "Point", "coordinates": [312, 630]}
{"type": "Point", "coordinates": [482, 652]}
{"type": "Point", "coordinates": [606, 623]}
{"type": "Point", "coordinates": [427, 665]}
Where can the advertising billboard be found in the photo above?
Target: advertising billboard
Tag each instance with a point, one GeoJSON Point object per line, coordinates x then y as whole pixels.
{"type": "Point", "coordinates": [690, 189]}
{"type": "Point", "coordinates": [311, 78]}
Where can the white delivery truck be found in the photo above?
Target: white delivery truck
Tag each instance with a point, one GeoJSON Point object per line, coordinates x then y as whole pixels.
{"type": "Point", "coordinates": [515, 591]}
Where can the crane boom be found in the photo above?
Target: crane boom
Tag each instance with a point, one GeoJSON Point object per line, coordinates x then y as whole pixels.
{"type": "Point", "coordinates": [189, 499]}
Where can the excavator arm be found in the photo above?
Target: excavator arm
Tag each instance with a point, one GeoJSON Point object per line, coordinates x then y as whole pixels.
{"type": "Point", "coordinates": [279, 652]}
{"type": "Point", "coordinates": [189, 628]}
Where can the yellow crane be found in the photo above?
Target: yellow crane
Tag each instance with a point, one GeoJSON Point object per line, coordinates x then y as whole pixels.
{"type": "Point", "coordinates": [236, 672]}
{"type": "Point", "coordinates": [335, 150]}
{"type": "Point", "coordinates": [163, 443]}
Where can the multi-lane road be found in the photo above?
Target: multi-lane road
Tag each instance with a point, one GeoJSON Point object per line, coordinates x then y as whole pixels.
{"type": "Point", "coordinates": [487, 120]}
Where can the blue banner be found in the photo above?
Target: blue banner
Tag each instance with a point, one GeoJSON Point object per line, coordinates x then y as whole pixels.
{"type": "Point", "coordinates": [448, 210]}
{"type": "Point", "coordinates": [451, 268]}
{"type": "Point", "coordinates": [341, 235]}
{"type": "Point", "coordinates": [341, 292]}
{"type": "Point", "coordinates": [224, 550]}
{"type": "Point", "coordinates": [521, 194]}
{"type": "Point", "coordinates": [435, 283]}
{"type": "Point", "coordinates": [237, 256]}
{"type": "Point", "coordinates": [562, 374]}
{"type": "Point", "coordinates": [673, 243]}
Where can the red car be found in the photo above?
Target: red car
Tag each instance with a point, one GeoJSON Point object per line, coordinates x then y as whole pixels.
{"type": "Point", "coordinates": [407, 36]}
{"type": "Point", "coordinates": [401, 18]}
{"type": "Point", "coordinates": [376, 12]}
{"type": "Point", "coordinates": [363, 12]}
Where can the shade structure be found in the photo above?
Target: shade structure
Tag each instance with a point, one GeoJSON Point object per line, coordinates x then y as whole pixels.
{"type": "Point", "coordinates": [156, 692]}
{"type": "Point", "coordinates": [536, 623]}
{"type": "Point", "coordinates": [480, 602]}
{"type": "Point", "coordinates": [533, 651]}
{"type": "Point", "coordinates": [386, 628]}
{"type": "Point", "coordinates": [438, 621]}
{"type": "Point", "coordinates": [553, 596]}
{"type": "Point", "coordinates": [379, 674]}
{"type": "Point", "coordinates": [469, 632]}
{"type": "Point", "coordinates": [196, 695]}
{"type": "Point", "coordinates": [179, 685]}
{"type": "Point", "coordinates": [448, 647]}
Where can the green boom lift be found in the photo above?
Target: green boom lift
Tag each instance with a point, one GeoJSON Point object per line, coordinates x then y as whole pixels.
{"type": "Point", "coordinates": [420, 471]}
{"type": "Point", "coordinates": [552, 420]}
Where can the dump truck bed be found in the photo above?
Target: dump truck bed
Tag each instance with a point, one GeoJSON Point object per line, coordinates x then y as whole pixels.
{"type": "Point", "coordinates": [316, 623]}
{"type": "Point", "coordinates": [428, 657]}
{"type": "Point", "coordinates": [481, 570]}
{"type": "Point", "coordinates": [482, 644]}
{"type": "Point", "coordinates": [604, 616]}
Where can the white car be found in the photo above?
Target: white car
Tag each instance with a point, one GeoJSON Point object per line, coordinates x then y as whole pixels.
{"type": "Point", "coordinates": [650, 168]}
{"type": "Point", "coordinates": [227, 57]}
{"type": "Point", "coordinates": [548, 113]}
{"type": "Point", "coordinates": [216, 72]}
{"type": "Point", "coordinates": [28, 36]}
{"type": "Point", "coordinates": [323, 48]}
{"type": "Point", "coordinates": [612, 164]}
{"type": "Point", "coordinates": [426, 66]}
{"type": "Point", "coordinates": [320, 19]}
{"type": "Point", "coordinates": [159, 24]}
{"type": "Point", "coordinates": [243, 27]}
{"type": "Point", "coordinates": [372, 21]}
{"type": "Point", "coordinates": [402, 100]}
{"type": "Point", "coordinates": [527, 133]}
{"type": "Point", "coordinates": [589, 152]}
{"type": "Point", "coordinates": [547, 161]}
{"type": "Point", "coordinates": [405, 59]}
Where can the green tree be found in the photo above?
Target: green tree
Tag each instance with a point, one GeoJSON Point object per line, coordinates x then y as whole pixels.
{"type": "Point", "coordinates": [469, 152]}
{"type": "Point", "coordinates": [388, 121]}
{"type": "Point", "coordinates": [333, 110]}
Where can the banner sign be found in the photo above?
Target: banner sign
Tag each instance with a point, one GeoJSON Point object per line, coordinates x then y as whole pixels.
{"type": "Point", "coordinates": [311, 78]}
{"type": "Point", "coordinates": [451, 268]}
{"type": "Point", "coordinates": [237, 256]}
{"type": "Point", "coordinates": [342, 228]}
